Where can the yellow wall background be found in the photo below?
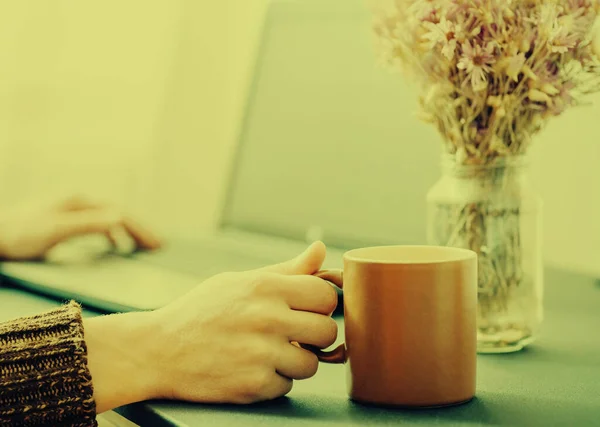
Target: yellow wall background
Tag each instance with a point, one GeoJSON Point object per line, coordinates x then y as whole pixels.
{"type": "Point", "coordinates": [139, 102]}
{"type": "Point", "coordinates": [81, 88]}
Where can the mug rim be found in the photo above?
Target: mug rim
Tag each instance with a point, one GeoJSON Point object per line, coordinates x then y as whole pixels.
{"type": "Point", "coordinates": [443, 255]}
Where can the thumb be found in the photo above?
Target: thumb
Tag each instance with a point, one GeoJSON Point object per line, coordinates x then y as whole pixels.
{"type": "Point", "coordinates": [308, 262]}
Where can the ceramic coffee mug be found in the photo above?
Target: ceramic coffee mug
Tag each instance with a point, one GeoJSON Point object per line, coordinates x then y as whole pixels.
{"type": "Point", "coordinates": [410, 321]}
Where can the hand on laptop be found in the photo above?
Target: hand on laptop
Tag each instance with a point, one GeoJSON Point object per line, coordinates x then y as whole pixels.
{"type": "Point", "coordinates": [227, 341]}
{"type": "Point", "coordinates": [30, 231]}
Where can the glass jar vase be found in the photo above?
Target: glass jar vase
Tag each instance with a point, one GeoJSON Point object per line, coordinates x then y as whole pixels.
{"type": "Point", "coordinates": [493, 210]}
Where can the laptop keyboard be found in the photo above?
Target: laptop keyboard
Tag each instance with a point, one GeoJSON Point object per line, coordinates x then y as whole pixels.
{"type": "Point", "coordinates": [203, 259]}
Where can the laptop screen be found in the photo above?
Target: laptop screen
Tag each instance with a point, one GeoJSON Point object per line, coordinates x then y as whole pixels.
{"type": "Point", "coordinates": [331, 147]}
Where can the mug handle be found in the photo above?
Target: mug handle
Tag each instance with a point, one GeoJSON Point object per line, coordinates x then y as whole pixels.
{"type": "Point", "coordinates": [338, 355]}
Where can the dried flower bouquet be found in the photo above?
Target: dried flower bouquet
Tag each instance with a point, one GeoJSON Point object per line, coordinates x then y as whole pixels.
{"type": "Point", "coordinates": [493, 72]}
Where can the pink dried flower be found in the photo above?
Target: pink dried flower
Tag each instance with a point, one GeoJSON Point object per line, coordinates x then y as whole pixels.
{"type": "Point", "coordinates": [442, 34]}
{"type": "Point", "coordinates": [505, 66]}
{"type": "Point", "coordinates": [477, 61]}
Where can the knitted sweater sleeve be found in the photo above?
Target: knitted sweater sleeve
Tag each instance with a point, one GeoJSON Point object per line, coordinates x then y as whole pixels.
{"type": "Point", "coordinates": [44, 378]}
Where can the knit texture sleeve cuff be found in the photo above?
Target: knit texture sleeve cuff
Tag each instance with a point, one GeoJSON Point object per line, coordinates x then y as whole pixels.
{"type": "Point", "coordinates": [44, 378]}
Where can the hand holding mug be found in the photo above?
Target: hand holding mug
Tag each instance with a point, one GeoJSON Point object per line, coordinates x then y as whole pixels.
{"type": "Point", "coordinates": [227, 341]}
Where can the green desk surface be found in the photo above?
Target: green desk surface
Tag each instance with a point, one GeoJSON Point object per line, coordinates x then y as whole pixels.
{"type": "Point", "coordinates": [555, 382]}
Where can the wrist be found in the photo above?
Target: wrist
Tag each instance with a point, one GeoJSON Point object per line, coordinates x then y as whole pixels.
{"type": "Point", "coordinates": [121, 359]}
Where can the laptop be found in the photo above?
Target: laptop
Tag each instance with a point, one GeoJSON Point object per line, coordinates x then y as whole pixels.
{"type": "Point", "coordinates": [329, 149]}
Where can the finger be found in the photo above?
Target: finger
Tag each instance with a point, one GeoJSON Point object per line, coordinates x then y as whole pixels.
{"type": "Point", "coordinates": [122, 242]}
{"type": "Point", "coordinates": [275, 386]}
{"type": "Point", "coordinates": [311, 328]}
{"type": "Point", "coordinates": [308, 262]}
{"type": "Point", "coordinates": [111, 238]}
{"type": "Point", "coordinates": [115, 235]}
{"type": "Point", "coordinates": [305, 293]}
{"type": "Point", "coordinates": [76, 223]}
{"type": "Point", "coordinates": [143, 237]}
{"type": "Point", "coordinates": [296, 363]}
{"type": "Point", "coordinates": [80, 222]}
